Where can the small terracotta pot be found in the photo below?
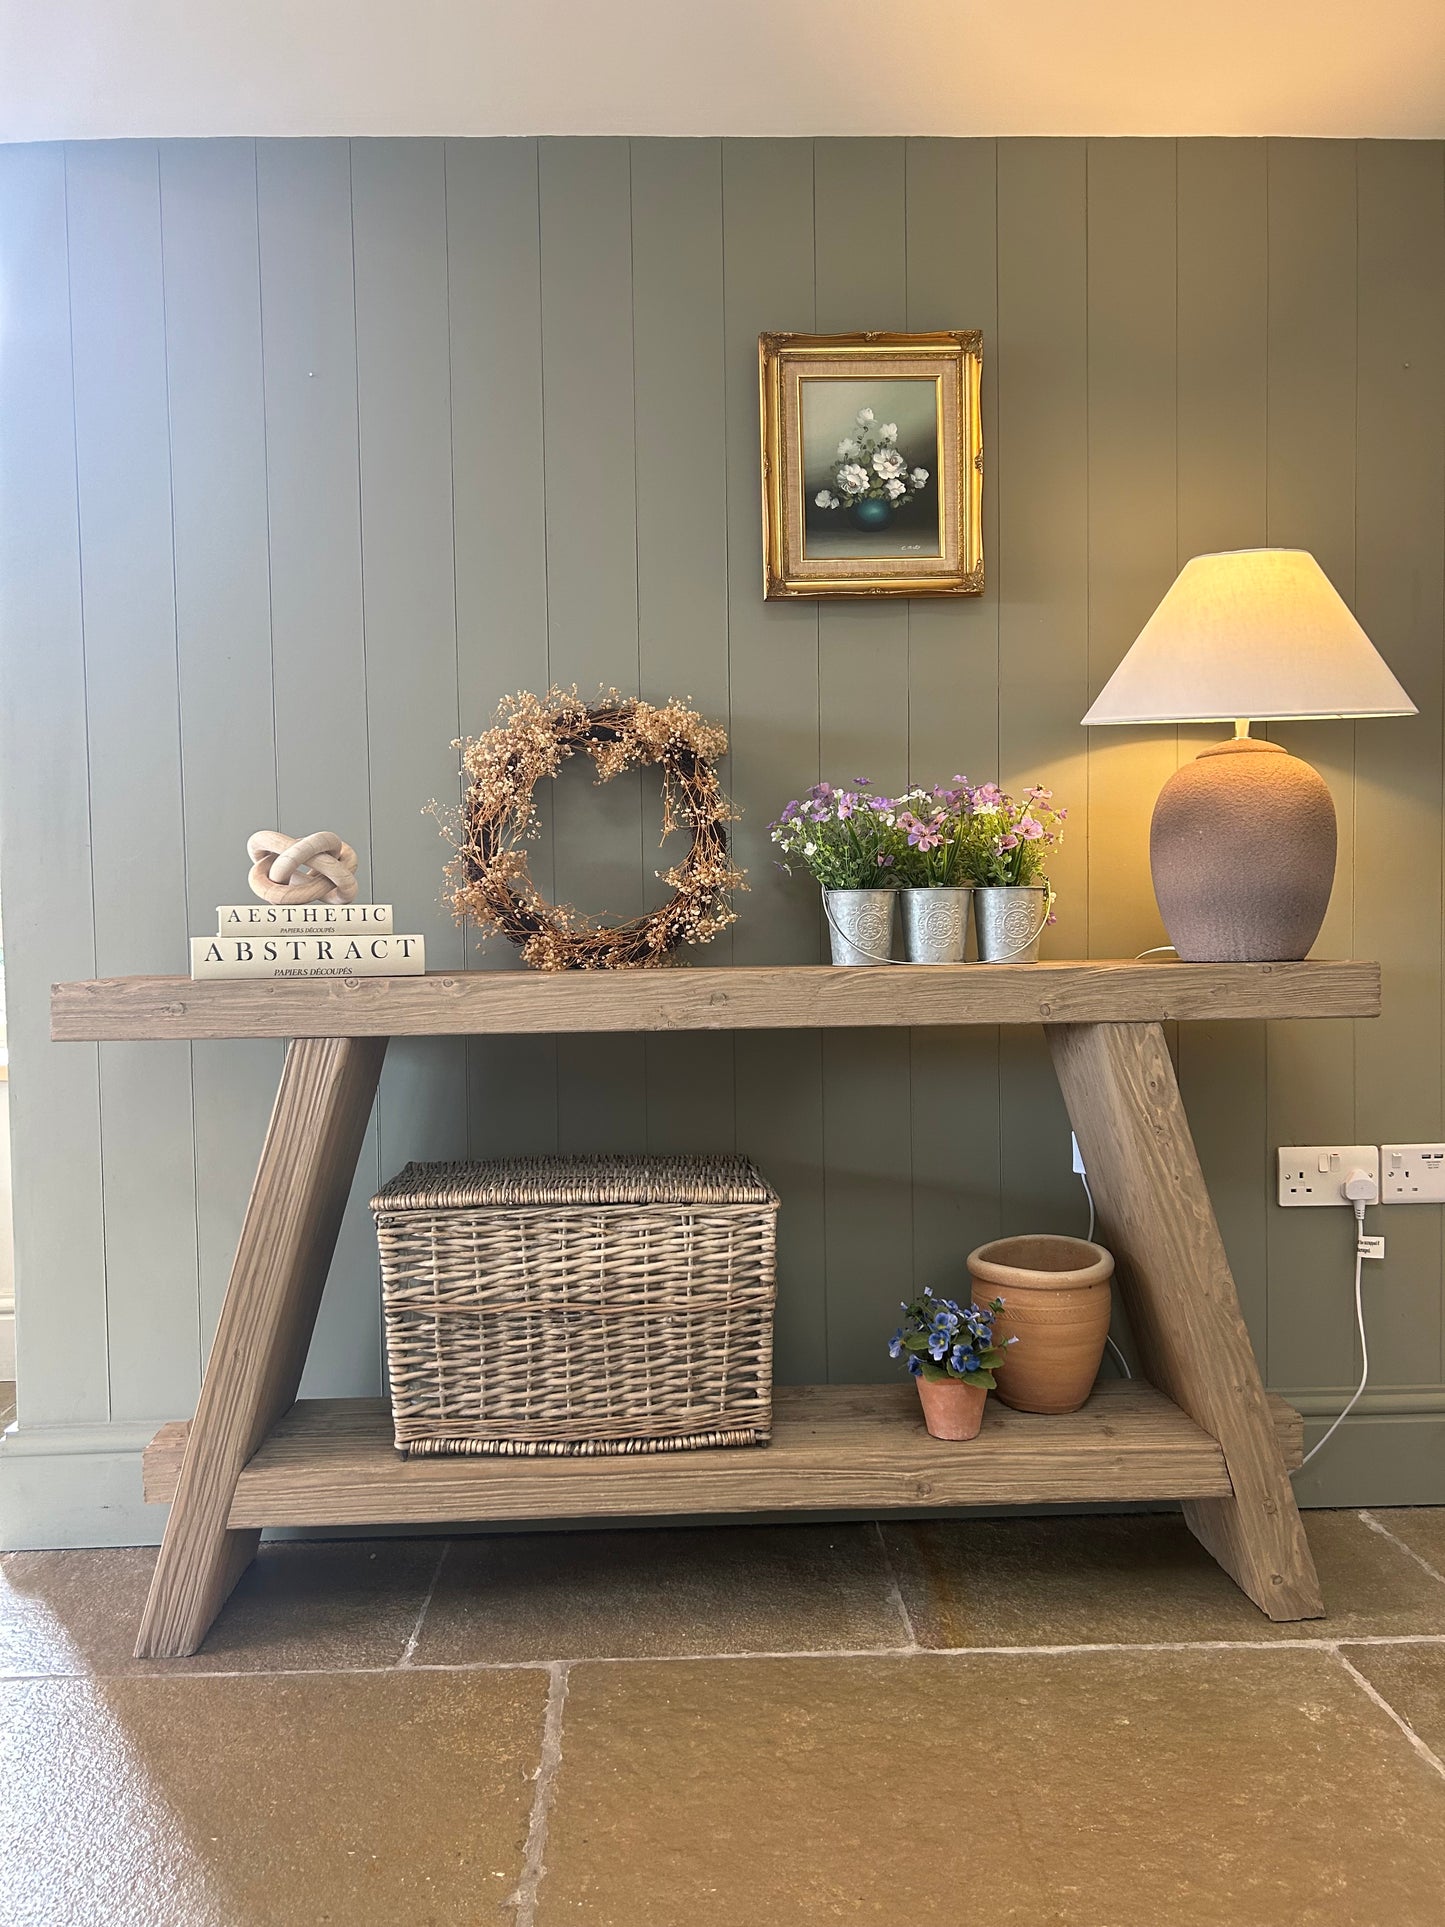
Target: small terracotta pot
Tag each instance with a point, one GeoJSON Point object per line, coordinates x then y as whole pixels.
{"type": "Point", "coordinates": [952, 1408]}
{"type": "Point", "coordinates": [1057, 1301]}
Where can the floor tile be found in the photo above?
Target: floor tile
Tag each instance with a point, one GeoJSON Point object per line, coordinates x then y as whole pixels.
{"type": "Point", "coordinates": [1137, 1577]}
{"type": "Point", "coordinates": [1412, 1679]}
{"type": "Point", "coordinates": [739, 1589]}
{"type": "Point", "coordinates": [386, 1797]}
{"type": "Point", "coordinates": [1421, 1527]}
{"type": "Point", "coordinates": [300, 1605]}
{"type": "Point", "coordinates": [1247, 1789]}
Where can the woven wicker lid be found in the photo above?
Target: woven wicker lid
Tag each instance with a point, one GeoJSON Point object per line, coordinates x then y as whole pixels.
{"type": "Point", "coordinates": [579, 1180]}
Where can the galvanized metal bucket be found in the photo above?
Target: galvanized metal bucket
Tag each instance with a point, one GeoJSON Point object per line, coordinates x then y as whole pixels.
{"type": "Point", "coordinates": [935, 924]}
{"type": "Point", "coordinates": [860, 924]}
{"type": "Point", "coordinates": [1010, 921]}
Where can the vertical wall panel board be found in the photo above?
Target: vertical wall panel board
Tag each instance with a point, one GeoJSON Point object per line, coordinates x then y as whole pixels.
{"type": "Point", "coordinates": [223, 629]}
{"type": "Point", "coordinates": [680, 415]}
{"type": "Point", "coordinates": [45, 813]}
{"type": "Point", "coordinates": [773, 678]}
{"type": "Point", "coordinates": [404, 405]}
{"type": "Point", "coordinates": [1311, 505]}
{"type": "Point", "coordinates": [1131, 510]}
{"type": "Point", "coordinates": [861, 276]}
{"type": "Point", "coordinates": [952, 259]}
{"type": "Point", "coordinates": [591, 455]}
{"type": "Point", "coordinates": [500, 513]}
{"type": "Point", "coordinates": [308, 324]}
{"type": "Point", "coordinates": [1041, 474]}
{"type": "Point", "coordinates": [132, 708]}
{"type": "Point", "coordinates": [1400, 514]}
{"type": "Point", "coordinates": [1222, 323]}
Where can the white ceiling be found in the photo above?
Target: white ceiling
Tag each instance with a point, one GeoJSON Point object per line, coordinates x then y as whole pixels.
{"type": "Point", "coordinates": [90, 68]}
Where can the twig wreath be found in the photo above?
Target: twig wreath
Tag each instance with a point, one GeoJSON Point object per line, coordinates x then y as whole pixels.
{"type": "Point", "coordinates": [489, 879]}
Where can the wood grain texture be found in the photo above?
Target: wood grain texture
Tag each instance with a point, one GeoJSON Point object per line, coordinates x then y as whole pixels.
{"type": "Point", "coordinates": [332, 1462]}
{"type": "Point", "coordinates": [746, 997]}
{"type": "Point", "coordinates": [289, 1234]}
{"type": "Point", "coordinates": [1154, 1215]}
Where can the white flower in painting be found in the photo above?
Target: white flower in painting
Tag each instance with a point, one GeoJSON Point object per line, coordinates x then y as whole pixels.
{"type": "Point", "coordinates": [847, 448]}
{"type": "Point", "coordinates": [826, 499]}
{"type": "Point", "coordinates": [894, 489]}
{"type": "Point", "coordinates": [853, 478]}
{"type": "Point", "coordinates": [865, 415]}
{"type": "Point", "coordinates": [919, 477]}
{"type": "Point", "coordinates": [889, 431]}
{"type": "Point", "coordinates": [888, 463]}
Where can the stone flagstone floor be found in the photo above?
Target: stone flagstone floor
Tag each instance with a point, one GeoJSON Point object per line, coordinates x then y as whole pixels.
{"type": "Point", "coordinates": [1071, 1722]}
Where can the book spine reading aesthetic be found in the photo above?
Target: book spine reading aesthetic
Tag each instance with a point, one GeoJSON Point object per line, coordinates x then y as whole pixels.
{"type": "Point", "coordinates": [303, 919]}
{"type": "Point", "coordinates": [338, 955]}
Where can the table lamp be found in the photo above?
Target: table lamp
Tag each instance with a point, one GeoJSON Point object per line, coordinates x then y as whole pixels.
{"type": "Point", "coordinates": [1242, 845]}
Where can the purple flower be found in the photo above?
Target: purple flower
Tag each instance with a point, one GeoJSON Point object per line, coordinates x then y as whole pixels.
{"type": "Point", "coordinates": [988, 796]}
{"type": "Point", "coordinates": [1008, 842]}
{"type": "Point", "coordinates": [881, 805]}
{"type": "Point", "coordinates": [1030, 829]}
{"type": "Point", "coordinates": [885, 859]}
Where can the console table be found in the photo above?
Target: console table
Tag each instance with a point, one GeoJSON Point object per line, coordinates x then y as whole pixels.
{"type": "Point", "coordinates": [1202, 1430]}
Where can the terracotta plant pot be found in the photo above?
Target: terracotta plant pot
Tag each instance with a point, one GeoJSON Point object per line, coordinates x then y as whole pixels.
{"type": "Point", "coordinates": [952, 1408]}
{"type": "Point", "coordinates": [1056, 1302]}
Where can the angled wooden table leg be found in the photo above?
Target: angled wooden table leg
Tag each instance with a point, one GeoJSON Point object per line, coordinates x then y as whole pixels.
{"type": "Point", "coordinates": [1123, 1100]}
{"type": "Point", "coordinates": [287, 1241]}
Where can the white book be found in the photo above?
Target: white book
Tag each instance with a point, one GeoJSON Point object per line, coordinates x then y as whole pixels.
{"type": "Point", "coordinates": [301, 919]}
{"type": "Point", "coordinates": [313, 956]}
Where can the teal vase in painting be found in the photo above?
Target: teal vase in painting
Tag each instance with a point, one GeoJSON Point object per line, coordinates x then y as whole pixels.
{"type": "Point", "coordinates": [872, 514]}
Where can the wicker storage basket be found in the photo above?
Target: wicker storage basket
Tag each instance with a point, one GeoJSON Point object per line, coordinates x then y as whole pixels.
{"type": "Point", "coordinates": [578, 1305]}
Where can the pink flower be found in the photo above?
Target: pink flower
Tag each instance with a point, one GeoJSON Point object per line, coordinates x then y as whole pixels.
{"type": "Point", "coordinates": [988, 796]}
{"type": "Point", "coordinates": [1008, 842]}
{"type": "Point", "coordinates": [1029, 829]}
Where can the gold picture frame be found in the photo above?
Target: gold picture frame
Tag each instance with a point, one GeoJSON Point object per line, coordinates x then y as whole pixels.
{"type": "Point", "coordinates": [826, 403]}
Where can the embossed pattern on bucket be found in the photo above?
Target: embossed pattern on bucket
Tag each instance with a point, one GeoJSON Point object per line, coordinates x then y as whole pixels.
{"type": "Point", "coordinates": [935, 925]}
{"type": "Point", "coordinates": [1010, 922]}
{"type": "Point", "coordinates": [860, 925]}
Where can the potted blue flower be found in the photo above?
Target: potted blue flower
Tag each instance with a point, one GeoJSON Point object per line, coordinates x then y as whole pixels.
{"type": "Point", "coordinates": [951, 1353]}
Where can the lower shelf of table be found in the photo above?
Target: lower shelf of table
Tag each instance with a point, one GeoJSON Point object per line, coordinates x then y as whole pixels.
{"type": "Point", "coordinates": [331, 1462]}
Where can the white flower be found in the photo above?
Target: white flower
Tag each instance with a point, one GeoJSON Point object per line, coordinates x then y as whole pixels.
{"type": "Point", "coordinates": [888, 463]}
{"type": "Point", "coordinates": [809, 849]}
{"type": "Point", "coordinates": [826, 499]}
{"type": "Point", "coordinates": [865, 415]}
{"type": "Point", "coordinates": [889, 431]}
{"type": "Point", "coordinates": [894, 489]}
{"type": "Point", "coordinates": [847, 447]}
{"type": "Point", "coordinates": [853, 478]}
{"type": "Point", "coordinates": [919, 477]}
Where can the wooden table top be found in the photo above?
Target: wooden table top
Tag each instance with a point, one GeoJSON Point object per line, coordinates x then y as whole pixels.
{"type": "Point", "coordinates": [754, 997]}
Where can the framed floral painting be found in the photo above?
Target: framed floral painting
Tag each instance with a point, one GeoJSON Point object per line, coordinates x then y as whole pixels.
{"type": "Point", "coordinates": [872, 464]}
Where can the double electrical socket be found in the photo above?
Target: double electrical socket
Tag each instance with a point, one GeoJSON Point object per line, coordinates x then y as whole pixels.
{"type": "Point", "coordinates": [1312, 1174]}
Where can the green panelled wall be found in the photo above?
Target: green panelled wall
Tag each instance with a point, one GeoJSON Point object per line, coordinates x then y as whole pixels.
{"type": "Point", "coordinates": [311, 450]}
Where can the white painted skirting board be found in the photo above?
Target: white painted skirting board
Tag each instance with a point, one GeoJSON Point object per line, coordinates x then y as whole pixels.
{"type": "Point", "coordinates": [80, 1485]}
{"type": "Point", "coordinates": [7, 1340]}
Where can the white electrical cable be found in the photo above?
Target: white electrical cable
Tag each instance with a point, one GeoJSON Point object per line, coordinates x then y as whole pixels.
{"type": "Point", "coordinates": [1320, 1443]}
{"type": "Point", "coordinates": [1119, 1358]}
{"type": "Point", "coordinates": [1157, 951]}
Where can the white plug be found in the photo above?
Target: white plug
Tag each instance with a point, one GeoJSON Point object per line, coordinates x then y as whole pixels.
{"type": "Point", "coordinates": [1078, 1157]}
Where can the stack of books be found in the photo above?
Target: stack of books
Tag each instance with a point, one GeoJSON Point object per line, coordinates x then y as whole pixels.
{"type": "Point", "coordinates": [306, 940]}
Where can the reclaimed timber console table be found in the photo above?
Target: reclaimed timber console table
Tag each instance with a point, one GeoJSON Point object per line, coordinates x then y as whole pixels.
{"type": "Point", "coordinates": [1202, 1430]}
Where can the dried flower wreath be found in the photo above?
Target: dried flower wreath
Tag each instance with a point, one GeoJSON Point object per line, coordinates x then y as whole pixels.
{"type": "Point", "coordinates": [489, 878]}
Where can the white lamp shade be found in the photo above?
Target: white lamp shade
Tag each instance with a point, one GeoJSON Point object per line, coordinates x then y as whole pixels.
{"type": "Point", "coordinates": [1260, 634]}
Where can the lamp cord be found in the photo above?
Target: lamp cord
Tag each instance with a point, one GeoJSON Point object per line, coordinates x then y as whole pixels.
{"type": "Point", "coordinates": [1320, 1443]}
{"type": "Point", "coordinates": [1119, 1358]}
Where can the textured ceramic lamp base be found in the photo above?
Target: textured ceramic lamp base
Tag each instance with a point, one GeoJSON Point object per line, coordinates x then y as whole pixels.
{"type": "Point", "coordinates": [1243, 853]}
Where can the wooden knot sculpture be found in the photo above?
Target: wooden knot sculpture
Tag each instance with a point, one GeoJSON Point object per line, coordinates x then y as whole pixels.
{"type": "Point", "coordinates": [319, 868]}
